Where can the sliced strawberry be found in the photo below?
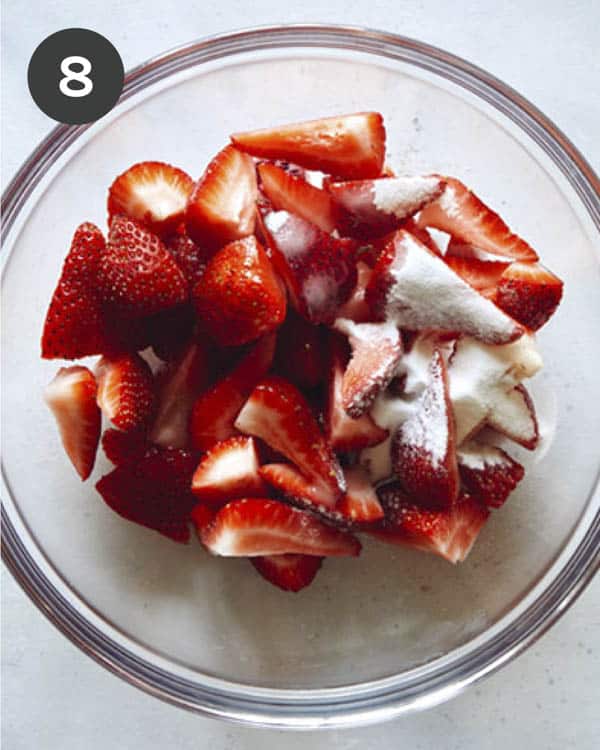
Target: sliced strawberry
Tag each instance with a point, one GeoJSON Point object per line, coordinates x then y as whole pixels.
{"type": "Point", "coordinates": [375, 207]}
{"type": "Point", "coordinates": [515, 417]}
{"type": "Point", "coordinates": [529, 293]}
{"type": "Point", "coordinates": [488, 473]}
{"type": "Point", "coordinates": [462, 214]}
{"type": "Point", "coordinates": [287, 192]}
{"type": "Point", "coordinates": [360, 503]}
{"type": "Point", "coordinates": [251, 527]}
{"type": "Point", "coordinates": [280, 415]}
{"type": "Point", "coordinates": [448, 533]}
{"type": "Point", "coordinates": [227, 471]}
{"type": "Point", "coordinates": [126, 447]}
{"type": "Point", "coordinates": [179, 384]}
{"type": "Point", "coordinates": [356, 308]}
{"type": "Point", "coordinates": [319, 271]}
{"type": "Point", "coordinates": [190, 257]}
{"type": "Point", "coordinates": [137, 275]}
{"type": "Point", "coordinates": [376, 351]}
{"type": "Point", "coordinates": [74, 325]}
{"type": "Point", "coordinates": [154, 492]}
{"type": "Point", "coordinates": [125, 391]}
{"type": "Point", "coordinates": [239, 298]}
{"type": "Point", "coordinates": [482, 275]}
{"type": "Point", "coordinates": [221, 208]}
{"type": "Point", "coordinates": [202, 516]}
{"type": "Point", "coordinates": [71, 397]}
{"type": "Point", "coordinates": [424, 237]}
{"type": "Point", "coordinates": [153, 193]}
{"type": "Point", "coordinates": [457, 249]}
{"type": "Point", "coordinates": [417, 290]}
{"type": "Point", "coordinates": [300, 355]}
{"type": "Point", "coordinates": [216, 409]}
{"type": "Point", "coordinates": [423, 447]}
{"type": "Point", "coordinates": [288, 572]}
{"type": "Point", "coordinates": [349, 146]}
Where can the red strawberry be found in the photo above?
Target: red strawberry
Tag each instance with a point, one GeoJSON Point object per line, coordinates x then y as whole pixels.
{"type": "Point", "coordinates": [287, 192]}
{"type": "Point", "coordinates": [356, 308]}
{"type": "Point", "coordinates": [251, 527]}
{"type": "Point", "coordinates": [221, 208]}
{"type": "Point", "coordinates": [71, 397]}
{"type": "Point", "coordinates": [202, 516]}
{"type": "Point", "coordinates": [288, 572]}
{"type": "Point", "coordinates": [227, 471]}
{"type": "Point", "coordinates": [137, 274]}
{"type": "Point", "coordinates": [153, 193]}
{"type": "Point", "coordinates": [216, 409]}
{"type": "Point", "coordinates": [179, 385]}
{"type": "Point", "coordinates": [462, 214]}
{"type": "Point", "coordinates": [448, 533]}
{"type": "Point", "coordinates": [345, 433]}
{"type": "Point", "coordinates": [300, 355]}
{"type": "Point", "coordinates": [423, 447]}
{"type": "Point", "coordinates": [125, 391]}
{"type": "Point", "coordinates": [74, 325]}
{"type": "Point", "coordinates": [190, 258]}
{"type": "Point", "coordinates": [279, 414]}
{"type": "Point", "coordinates": [126, 447]}
{"type": "Point", "coordinates": [319, 271]}
{"type": "Point", "coordinates": [154, 492]}
{"type": "Point", "coordinates": [515, 417]}
{"type": "Point", "coordinates": [529, 293]}
{"type": "Point", "coordinates": [488, 473]}
{"type": "Point", "coordinates": [349, 146]}
{"type": "Point", "coordinates": [239, 298]}
{"type": "Point", "coordinates": [482, 275]}
{"type": "Point", "coordinates": [424, 237]}
{"type": "Point", "coordinates": [360, 503]}
{"type": "Point", "coordinates": [376, 351]}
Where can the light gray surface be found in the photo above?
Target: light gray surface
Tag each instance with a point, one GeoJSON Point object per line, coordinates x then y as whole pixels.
{"type": "Point", "coordinates": [53, 697]}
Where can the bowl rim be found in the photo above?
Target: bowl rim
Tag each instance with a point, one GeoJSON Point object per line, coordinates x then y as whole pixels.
{"type": "Point", "coordinates": [360, 703]}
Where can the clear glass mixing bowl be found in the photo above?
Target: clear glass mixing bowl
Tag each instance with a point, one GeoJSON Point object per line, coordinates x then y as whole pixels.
{"type": "Point", "coordinates": [396, 630]}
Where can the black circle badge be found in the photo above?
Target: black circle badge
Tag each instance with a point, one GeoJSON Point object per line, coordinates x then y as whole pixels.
{"type": "Point", "coordinates": [75, 76]}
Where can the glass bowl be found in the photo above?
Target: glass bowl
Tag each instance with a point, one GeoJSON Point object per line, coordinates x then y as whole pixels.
{"type": "Point", "coordinates": [397, 630]}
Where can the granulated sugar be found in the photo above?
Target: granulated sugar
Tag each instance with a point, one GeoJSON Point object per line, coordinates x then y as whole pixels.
{"type": "Point", "coordinates": [402, 196]}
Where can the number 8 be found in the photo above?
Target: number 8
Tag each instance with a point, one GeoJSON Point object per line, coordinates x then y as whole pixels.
{"type": "Point", "coordinates": [80, 76]}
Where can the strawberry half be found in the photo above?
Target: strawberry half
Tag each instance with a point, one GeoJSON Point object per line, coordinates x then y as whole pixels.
{"type": "Point", "coordinates": [126, 447]}
{"type": "Point", "coordinates": [279, 414]}
{"type": "Point", "coordinates": [515, 418]}
{"type": "Point", "coordinates": [482, 275]}
{"type": "Point", "coordinates": [74, 325]}
{"type": "Point", "coordinates": [319, 270]}
{"type": "Point", "coordinates": [215, 411]}
{"type": "Point", "coordinates": [423, 447]}
{"type": "Point", "coordinates": [462, 214]}
{"type": "Point", "coordinates": [300, 355]}
{"type": "Point", "coordinates": [288, 572]}
{"type": "Point", "coordinates": [360, 503]}
{"type": "Point", "coordinates": [529, 293]}
{"type": "Point", "coordinates": [239, 298]}
{"type": "Point", "coordinates": [356, 307]}
{"type": "Point", "coordinates": [125, 391]}
{"type": "Point", "coordinates": [256, 526]}
{"type": "Point", "coordinates": [221, 208]}
{"type": "Point", "coordinates": [153, 193]}
{"type": "Point", "coordinates": [227, 471]}
{"type": "Point", "coordinates": [190, 257]}
{"type": "Point", "coordinates": [488, 473]}
{"type": "Point", "coordinates": [137, 274]}
{"type": "Point", "coordinates": [350, 147]}
{"type": "Point", "coordinates": [71, 397]}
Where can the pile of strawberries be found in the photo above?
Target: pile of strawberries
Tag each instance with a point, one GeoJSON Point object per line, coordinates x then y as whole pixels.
{"type": "Point", "coordinates": [246, 324]}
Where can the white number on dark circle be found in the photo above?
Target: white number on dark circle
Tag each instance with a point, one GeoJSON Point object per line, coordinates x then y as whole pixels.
{"type": "Point", "coordinates": [81, 76]}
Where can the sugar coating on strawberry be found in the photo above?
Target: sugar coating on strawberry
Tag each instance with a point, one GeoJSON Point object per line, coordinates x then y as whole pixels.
{"type": "Point", "coordinates": [288, 572]}
{"type": "Point", "coordinates": [529, 293]}
{"type": "Point", "coordinates": [515, 418]}
{"type": "Point", "coordinates": [125, 391]}
{"type": "Point", "coordinates": [488, 472]}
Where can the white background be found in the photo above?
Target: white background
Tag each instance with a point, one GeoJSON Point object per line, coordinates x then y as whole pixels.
{"type": "Point", "coordinates": [53, 696]}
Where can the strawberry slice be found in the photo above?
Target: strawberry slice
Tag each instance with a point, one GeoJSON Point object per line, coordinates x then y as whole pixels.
{"type": "Point", "coordinates": [356, 308]}
{"type": "Point", "coordinates": [71, 397]}
{"type": "Point", "coordinates": [239, 298]}
{"type": "Point", "coordinates": [515, 418]}
{"type": "Point", "coordinates": [350, 147]}
{"type": "Point", "coordinates": [448, 533]}
{"type": "Point", "coordinates": [360, 503]}
{"type": "Point", "coordinates": [137, 274]}
{"type": "Point", "coordinates": [376, 351]}
{"type": "Point", "coordinates": [424, 237]}
{"type": "Point", "coordinates": [417, 290]}
{"type": "Point", "coordinates": [529, 293]}
{"type": "Point", "coordinates": [319, 271]}
{"type": "Point", "coordinates": [300, 355]}
{"type": "Point", "coordinates": [462, 214]}
{"type": "Point", "coordinates": [345, 433]}
{"type": "Point", "coordinates": [288, 192]}
{"type": "Point", "coordinates": [125, 391]}
{"type": "Point", "coordinates": [279, 414]}
{"type": "Point", "coordinates": [488, 473]}
{"type": "Point", "coordinates": [215, 411]}
{"type": "Point", "coordinates": [227, 471]}
{"type": "Point", "coordinates": [74, 325]}
{"type": "Point", "coordinates": [423, 447]}
{"type": "Point", "coordinates": [126, 447]}
{"type": "Point", "coordinates": [482, 275]}
{"type": "Point", "coordinates": [153, 193]}
{"type": "Point", "coordinates": [221, 208]}
{"type": "Point", "coordinates": [190, 257]}
{"type": "Point", "coordinates": [256, 526]}
{"type": "Point", "coordinates": [288, 572]}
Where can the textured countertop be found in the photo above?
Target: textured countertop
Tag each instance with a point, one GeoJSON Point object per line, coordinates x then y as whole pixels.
{"type": "Point", "coordinates": [53, 696]}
